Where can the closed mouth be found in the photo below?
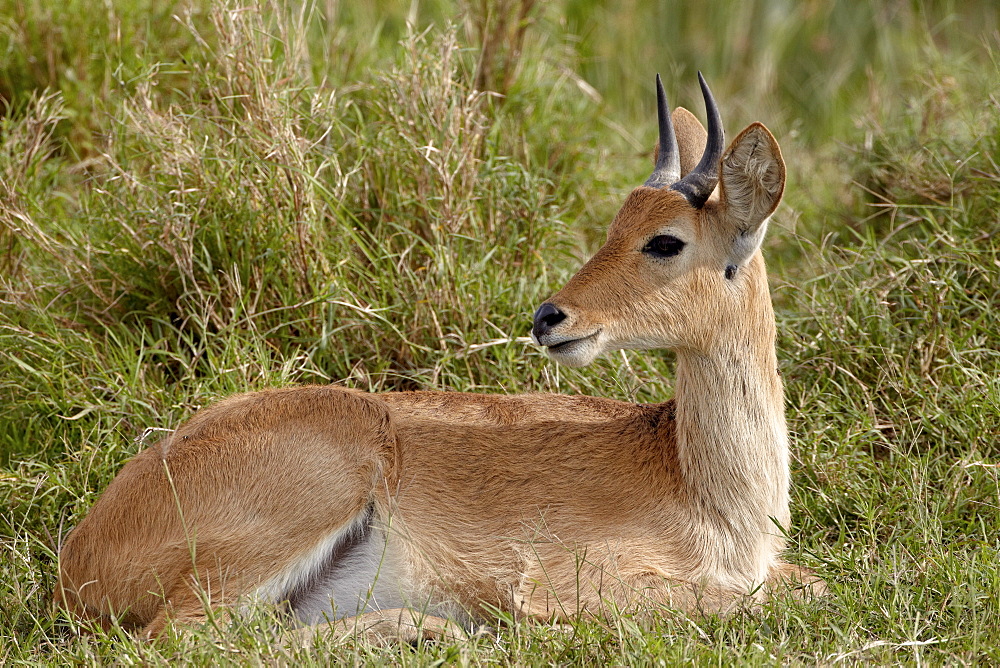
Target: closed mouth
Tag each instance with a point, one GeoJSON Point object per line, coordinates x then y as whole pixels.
{"type": "Point", "coordinates": [564, 345]}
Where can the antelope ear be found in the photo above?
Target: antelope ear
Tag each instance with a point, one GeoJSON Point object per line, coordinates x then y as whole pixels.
{"type": "Point", "coordinates": [751, 181]}
{"type": "Point", "coordinates": [691, 139]}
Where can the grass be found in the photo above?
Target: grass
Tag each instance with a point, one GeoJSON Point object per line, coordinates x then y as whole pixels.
{"type": "Point", "coordinates": [200, 199]}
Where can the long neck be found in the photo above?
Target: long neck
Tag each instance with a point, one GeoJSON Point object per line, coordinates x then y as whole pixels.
{"type": "Point", "coordinates": [732, 443]}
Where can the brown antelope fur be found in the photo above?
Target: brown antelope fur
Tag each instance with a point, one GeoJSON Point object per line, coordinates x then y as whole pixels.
{"type": "Point", "coordinates": [543, 506]}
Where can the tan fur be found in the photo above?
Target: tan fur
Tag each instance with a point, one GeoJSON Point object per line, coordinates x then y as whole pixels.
{"type": "Point", "coordinates": [690, 134]}
{"type": "Point", "coordinates": [543, 506]}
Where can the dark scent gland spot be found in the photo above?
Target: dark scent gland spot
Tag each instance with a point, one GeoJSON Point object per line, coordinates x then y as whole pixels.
{"type": "Point", "coordinates": [730, 272]}
{"type": "Point", "coordinates": [663, 246]}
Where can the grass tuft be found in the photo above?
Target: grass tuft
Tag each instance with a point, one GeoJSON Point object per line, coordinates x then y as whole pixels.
{"type": "Point", "coordinates": [200, 199]}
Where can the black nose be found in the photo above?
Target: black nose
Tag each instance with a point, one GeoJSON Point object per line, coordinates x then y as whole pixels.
{"type": "Point", "coordinates": [546, 317]}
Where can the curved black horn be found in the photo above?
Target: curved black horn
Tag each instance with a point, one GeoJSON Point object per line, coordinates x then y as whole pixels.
{"type": "Point", "coordinates": [668, 163]}
{"type": "Point", "coordinates": [701, 181]}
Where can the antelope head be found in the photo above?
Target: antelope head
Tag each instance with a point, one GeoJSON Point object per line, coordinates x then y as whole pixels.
{"type": "Point", "coordinates": [681, 266]}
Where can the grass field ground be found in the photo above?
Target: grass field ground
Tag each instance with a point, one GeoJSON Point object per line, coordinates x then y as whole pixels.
{"type": "Point", "coordinates": [202, 198]}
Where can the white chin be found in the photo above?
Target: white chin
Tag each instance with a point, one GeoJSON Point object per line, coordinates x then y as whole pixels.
{"type": "Point", "coordinates": [576, 354]}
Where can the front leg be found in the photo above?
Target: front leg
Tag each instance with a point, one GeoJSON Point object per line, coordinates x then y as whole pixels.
{"type": "Point", "coordinates": [561, 590]}
{"type": "Point", "coordinates": [798, 582]}
{"type": "Point", "coordinates": [566, 588]}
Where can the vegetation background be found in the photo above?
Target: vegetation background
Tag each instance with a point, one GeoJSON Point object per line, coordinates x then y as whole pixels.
{"type": "Point", "coordinates": [199, 198]}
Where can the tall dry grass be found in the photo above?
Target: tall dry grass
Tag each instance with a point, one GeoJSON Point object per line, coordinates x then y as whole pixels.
{"type": "Point", "coordinates": [249, 196]}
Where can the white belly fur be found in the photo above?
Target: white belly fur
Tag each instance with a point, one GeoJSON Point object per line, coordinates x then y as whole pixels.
{"type": "Point", "coordinates": [350, 572]}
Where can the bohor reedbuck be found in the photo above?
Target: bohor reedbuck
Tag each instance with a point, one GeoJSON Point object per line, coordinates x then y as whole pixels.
{"type": "Point", "coordinates": [412, 514]}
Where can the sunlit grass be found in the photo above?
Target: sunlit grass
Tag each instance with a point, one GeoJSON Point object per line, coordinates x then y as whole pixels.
{"type": "Point", "coordinates": [198, 201]}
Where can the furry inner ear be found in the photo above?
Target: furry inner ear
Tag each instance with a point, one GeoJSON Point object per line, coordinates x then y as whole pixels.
{"type": "Point", "coordinates": [751, 182]}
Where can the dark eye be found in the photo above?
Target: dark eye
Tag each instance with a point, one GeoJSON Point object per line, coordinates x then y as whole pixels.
{"type": "Point", "coordinates": [663, 246]}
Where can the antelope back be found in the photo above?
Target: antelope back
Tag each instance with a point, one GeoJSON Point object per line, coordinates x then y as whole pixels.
{"type": "Point", "coordinates": [681, 265]}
